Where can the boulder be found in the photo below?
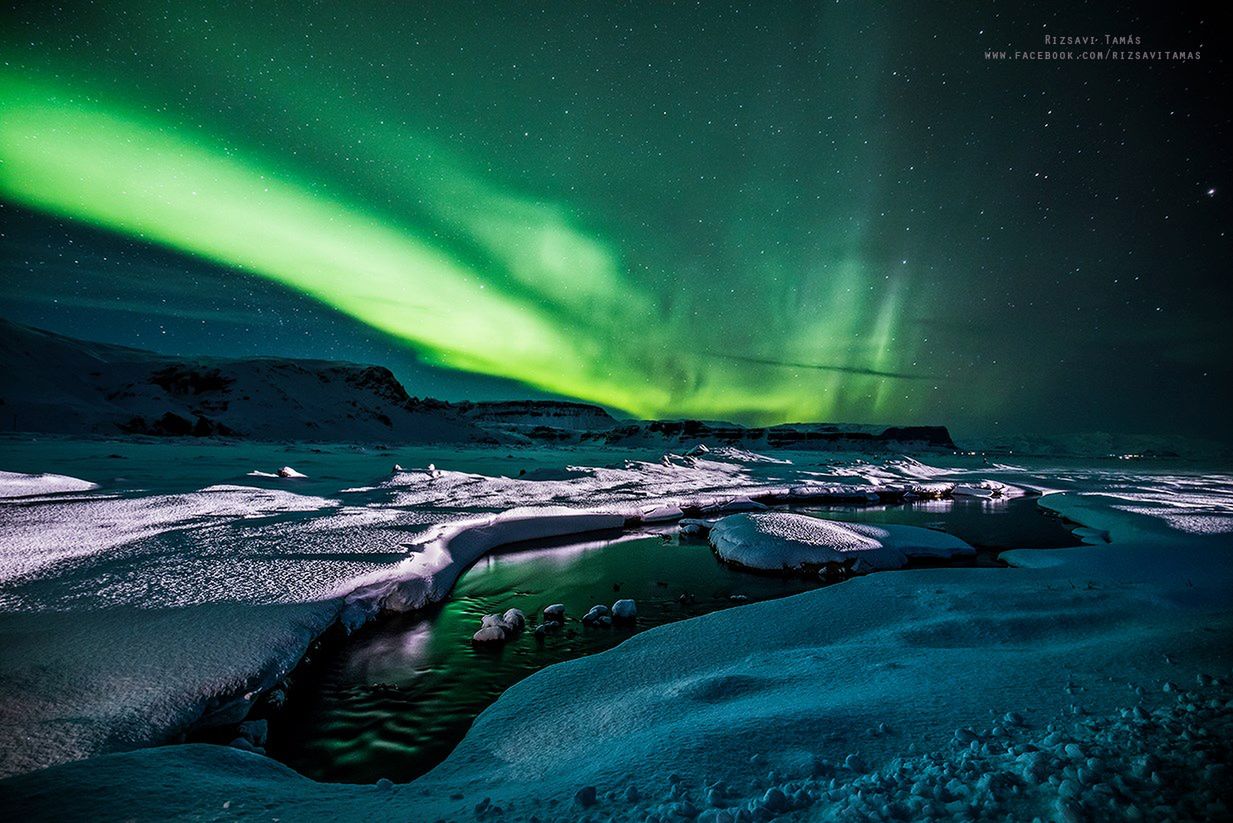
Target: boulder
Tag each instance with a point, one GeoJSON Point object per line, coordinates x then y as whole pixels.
{"type": "Point", "coordinates": [592, 617]}
{"type": "Point", "coordinates": [490, 634]}
{"type": "Point", "coordinates": [515, 619]}
{"type": "Point", "coordinates": [255, 731]}
{"type": "Point", "coordinates": [624, 611]}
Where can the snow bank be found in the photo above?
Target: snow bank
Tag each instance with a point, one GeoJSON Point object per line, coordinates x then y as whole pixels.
{"type": "Point", "coordinates": [446, 550]}
{"type": "Point", "coordinates": [15, 484]}
{"type": "Point", "coordinates": [177, 608]}
{"type": "Point", "coordinates": [76, 684]}
{"type": "Point", "coordinates": [783, 541]}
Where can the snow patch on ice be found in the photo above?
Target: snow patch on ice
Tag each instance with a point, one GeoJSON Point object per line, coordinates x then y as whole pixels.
{"type": "Point", "coordinates": [15, 484]}
{"type": "Point", "coordinates": [779, 541]}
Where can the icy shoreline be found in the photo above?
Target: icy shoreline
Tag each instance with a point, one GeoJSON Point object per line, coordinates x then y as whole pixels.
{"type": "Point", "coordinates": [250, 642]}
{"type": "Point", "coordinates": [864, 668]}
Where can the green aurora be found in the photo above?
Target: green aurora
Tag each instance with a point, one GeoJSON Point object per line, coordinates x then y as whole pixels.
{"type": "Point", "coordinates": [541, 302]}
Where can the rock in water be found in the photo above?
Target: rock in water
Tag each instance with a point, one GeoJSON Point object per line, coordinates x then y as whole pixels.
{"type": "Point", "coordinates": [497, 628]}
{"type": "Point", "coordinates": [489, 634]}
{"type": "Point", "coordinates": [497, 620]}
{"type": "Point", "coordinates": [255, 731]}
{"type": "Point", "coordinates": [593, 617]}
{"type": "Point", "coordinates": [555, 612]}
{"type": "Point", "coordinates": [624, 611]}
{"type": "Point", "coordinates": [515, 619]}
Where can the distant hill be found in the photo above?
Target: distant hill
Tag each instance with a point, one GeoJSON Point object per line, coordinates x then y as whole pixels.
{"type": "Point", "coordinates": [54, 383]}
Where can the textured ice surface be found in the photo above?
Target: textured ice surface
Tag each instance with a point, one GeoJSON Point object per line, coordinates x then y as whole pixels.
{"type": "Point", "coordinates": [63, 532]}
{"type": "Point", "coordinates": [1088, 683]}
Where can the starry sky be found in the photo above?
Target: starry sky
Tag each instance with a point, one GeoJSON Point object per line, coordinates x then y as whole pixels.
{"type": "Point", "coordinates": [743, 211]}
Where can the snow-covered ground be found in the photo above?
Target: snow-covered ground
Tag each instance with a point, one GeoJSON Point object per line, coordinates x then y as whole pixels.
{"type": "Point", "coordinates": [1033, 690]}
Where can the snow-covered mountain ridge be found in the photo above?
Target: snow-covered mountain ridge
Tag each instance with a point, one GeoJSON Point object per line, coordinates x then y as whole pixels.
{"type": "Point", "coordinates": [58, 384]}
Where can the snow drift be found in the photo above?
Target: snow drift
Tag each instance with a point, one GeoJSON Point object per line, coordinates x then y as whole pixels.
{"type": "Point", "coordinates": [15, 484]}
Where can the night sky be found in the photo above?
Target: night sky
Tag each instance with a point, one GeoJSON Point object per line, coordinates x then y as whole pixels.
{"type": "Point", "coordinates": [759, 212]}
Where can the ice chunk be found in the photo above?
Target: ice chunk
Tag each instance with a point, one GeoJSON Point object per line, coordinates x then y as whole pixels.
{"type": "Point", "coordinates": [285, 472]}
{"type": "Point", "coordinates": [776, 541]}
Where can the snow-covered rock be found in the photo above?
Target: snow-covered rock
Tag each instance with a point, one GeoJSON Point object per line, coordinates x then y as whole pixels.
{"type": "Point", "coordinates": [498, 628]}
{"type": "Point", "coordinates": [624, 611]}
{"type": "Point", "coordinates": [490, 634]}
{"type": "Point", "coordinates": [514, 618]}
{"type": "Point", "coordinates": [784, 541]}
{"type": "Point", "coordinates": [286, 472]}
{"type": "Point", "coordinates": [595, 614]}
{"type": "Point", "coordinates": [983, 488]}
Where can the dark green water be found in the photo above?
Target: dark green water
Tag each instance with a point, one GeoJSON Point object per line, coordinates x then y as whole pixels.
{"type": "Point", "coordinates": [394, 699]}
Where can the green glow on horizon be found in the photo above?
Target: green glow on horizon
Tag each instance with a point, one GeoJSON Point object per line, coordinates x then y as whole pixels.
{"type": "Point", "coordinates": [516, 289]}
